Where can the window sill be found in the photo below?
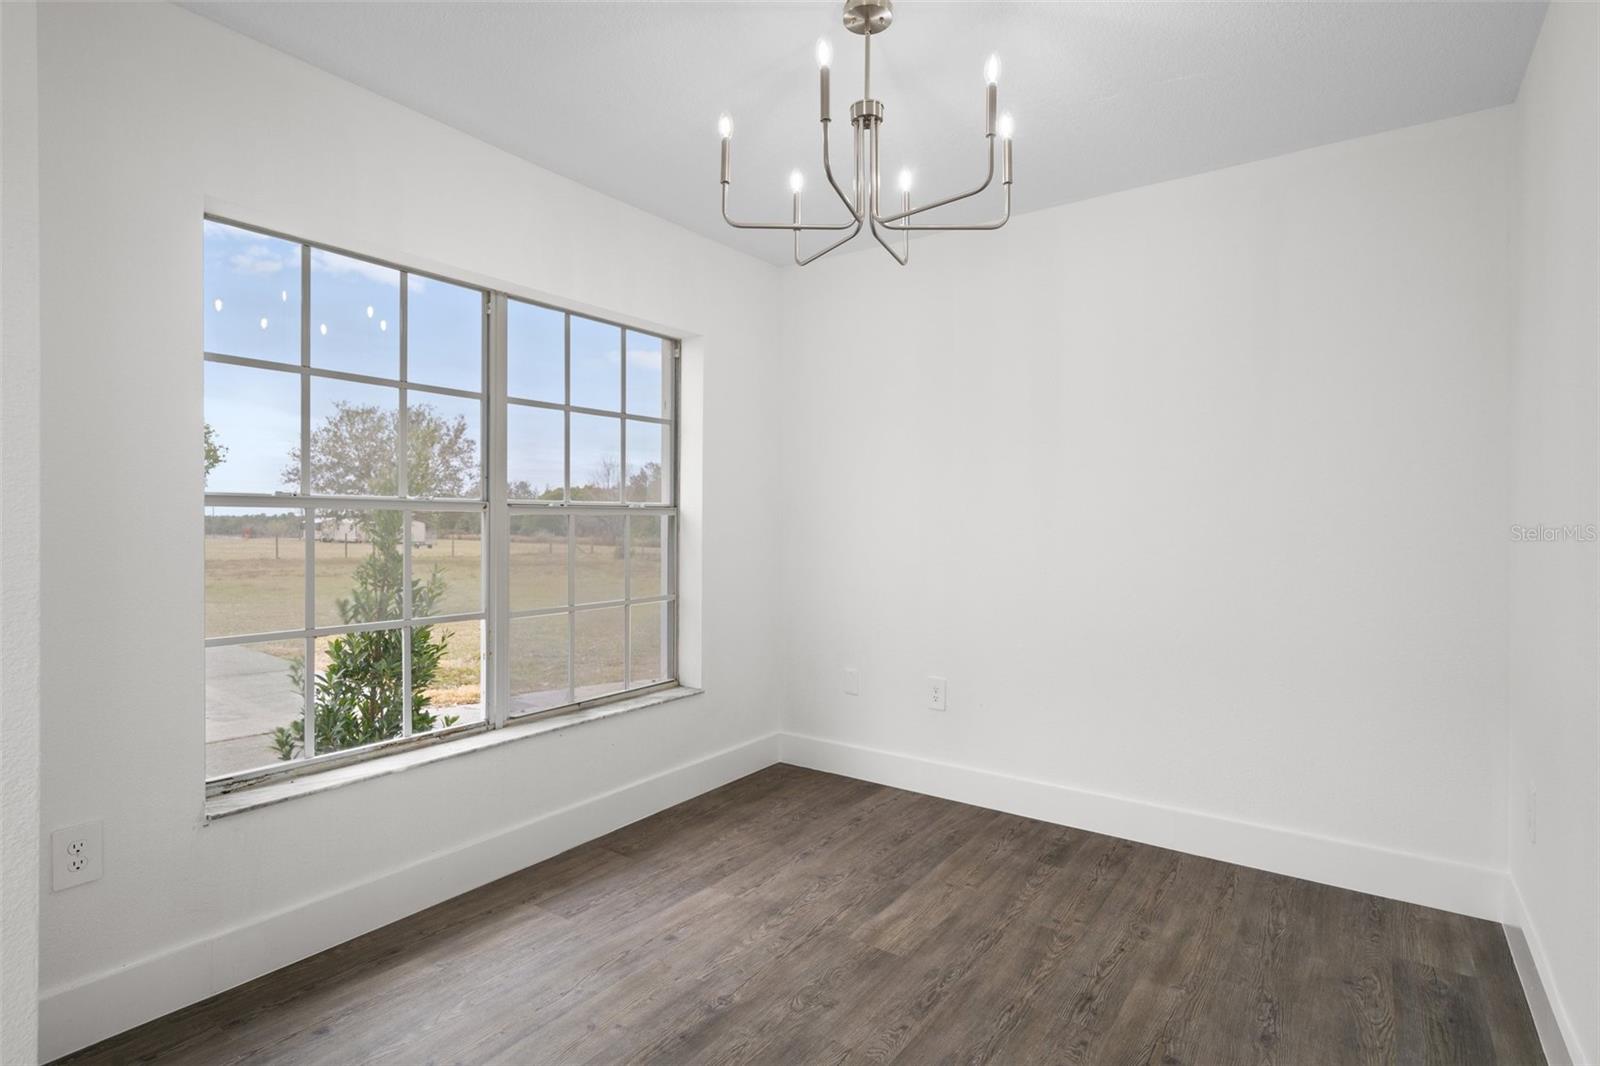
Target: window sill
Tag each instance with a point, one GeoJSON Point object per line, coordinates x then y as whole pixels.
{"type": "Point", "coordinates": [275, 792]}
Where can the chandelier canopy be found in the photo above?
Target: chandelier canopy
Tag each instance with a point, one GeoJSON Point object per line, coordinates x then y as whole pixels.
{"type": "Point", "coordinates": [870, 18]}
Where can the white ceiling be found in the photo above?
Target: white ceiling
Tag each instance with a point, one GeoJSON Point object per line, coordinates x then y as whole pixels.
{"type": "Point", "coordinates": [624, 97]}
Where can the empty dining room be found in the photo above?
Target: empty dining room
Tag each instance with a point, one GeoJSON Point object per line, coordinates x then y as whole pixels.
{"type": "Point", "coordinates": [800, 532]}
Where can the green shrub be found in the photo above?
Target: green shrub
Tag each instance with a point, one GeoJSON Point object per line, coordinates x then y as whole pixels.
{"type": "Point", "coordinates": [358, 696]}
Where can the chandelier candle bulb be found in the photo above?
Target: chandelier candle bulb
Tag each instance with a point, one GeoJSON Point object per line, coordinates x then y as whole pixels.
{"type": "Point", "coordinates": [905, 180]}
{"type": "Point", "coordinates": [725, 130]}
{"type": "Point", "coordinates": [1007, 127]}
{"type": "Point", "coordinates": [991, 70]}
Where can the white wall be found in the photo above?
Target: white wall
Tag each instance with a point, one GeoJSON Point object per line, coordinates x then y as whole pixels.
{"type": "Point", "coordinates": [1196, 494]}
{"type": "Point", "coordinates": [1555, 477]}
{"type": "Point", "coordinates": [150, 115]}
{"type": "Point", "coordinates": [19, 532]}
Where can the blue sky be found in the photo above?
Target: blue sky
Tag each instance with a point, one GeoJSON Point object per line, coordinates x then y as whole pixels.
{"type": "Point", "coordinates": [252, 308]}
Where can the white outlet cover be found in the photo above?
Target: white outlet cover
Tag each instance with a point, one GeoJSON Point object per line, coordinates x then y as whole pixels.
{"type": "Point", "coordinates": [937, 694]}
{"type": "Point", "coordinates": [76, 855]}
{"type": "Point", "coordinates": [852, 681]}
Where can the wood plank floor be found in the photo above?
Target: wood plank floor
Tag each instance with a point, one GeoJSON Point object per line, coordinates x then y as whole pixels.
{"type": "Point", "coordinates": [799, 917]}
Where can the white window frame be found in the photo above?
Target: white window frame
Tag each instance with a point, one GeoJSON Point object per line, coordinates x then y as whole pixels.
{"type": "Point", "coordinates": [495, 507]}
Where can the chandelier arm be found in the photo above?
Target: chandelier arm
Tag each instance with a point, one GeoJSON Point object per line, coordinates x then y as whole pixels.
{"type": "Point", "coordinates": [795, 227]}
{"type": "Point", "coordinates": [898, 258]}
{"type": "Point", "coordinates": [857, 210]}
{"type": "Point", "coordinates": [807, 260]}
{"type": "Point", "coordinates": [814, 256]}
{"type": "Point", "coordinates": [920, 209]}
{"type": "Point", "coordinates": [872, 203]}
{"type": "Point", "coordinates": [1005, 217]}
{"type": "Point", "coordinates": [827, 169]}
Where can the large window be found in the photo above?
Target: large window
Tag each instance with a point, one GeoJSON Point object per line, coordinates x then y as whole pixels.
{"type": "Point", "coordinates": [430, 508]}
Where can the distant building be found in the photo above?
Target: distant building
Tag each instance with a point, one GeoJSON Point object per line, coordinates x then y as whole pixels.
{"type": "Point", "coordinates": [350, 531]}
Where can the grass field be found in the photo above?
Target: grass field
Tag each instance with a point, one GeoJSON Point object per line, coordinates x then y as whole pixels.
{"type": "Point", "coordinates": [257, 585]}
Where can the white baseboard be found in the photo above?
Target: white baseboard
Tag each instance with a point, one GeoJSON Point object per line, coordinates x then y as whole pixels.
{"type": "Point", "coordinates": [1425, 879]}
{"type": "Point", "coordinates": [76, 1015]}
{"type": "Point", "coordinates": [1556, 1031]}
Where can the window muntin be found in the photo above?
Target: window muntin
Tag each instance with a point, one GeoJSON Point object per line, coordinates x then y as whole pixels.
{"type": "Point", "coordinates": [586, 521]}
{"type": "Point", "coordinates": [363, 451]}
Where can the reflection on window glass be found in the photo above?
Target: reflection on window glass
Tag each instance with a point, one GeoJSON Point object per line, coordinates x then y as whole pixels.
{"type": "Point", "coordinates": [255, 571]}
{"type": "Point", "coordinates": [596, 364]}
{"type": "Point", "coordinates": [355, 315]}
{"type": "Point", "coordinates": [597, 557]}
{"type": "Point", "coordinates": [536, 339]}
{"type": "Point", "coordinates": [442, 459]}
{"type": "Point", "coordinates": [535, 459]}
{"type": "Point", "coordinates": [539, 662]}
{"type": "Point", "coordinates": [444, 334]}
{"type": "Point", "coordinates": [596, 457]}
{"type": "Point", "coordinates": [353, 438]}
{"type": "Point", "coordinates": [647, 442]}
{"type": "Point", "coordinates": [538, 552]}
{"type": "Point", "coordinates": [255, 705]}
{"type": "Point", "coordinates": [597, 652]}
{"type": "Point", "coordinates": [252, 294]}
{"type": "Point", "coordinates": [646, 380]}
{"type": "Point", "coordinates": [252, 429]}
{"type": "Point", "coordinates": [647, 644]}
{"type": "Point", "coordinates": [446, 563]}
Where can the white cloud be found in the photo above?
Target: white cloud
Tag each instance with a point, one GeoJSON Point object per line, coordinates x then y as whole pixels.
{"type": "Point", "coordinates": [256, 259]}
{"type": "Point", "coordinates": [330, 263]}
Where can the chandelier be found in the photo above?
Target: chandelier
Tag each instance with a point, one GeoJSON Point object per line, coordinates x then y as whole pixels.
{"type": "Point", "coordinates": [869, 18]}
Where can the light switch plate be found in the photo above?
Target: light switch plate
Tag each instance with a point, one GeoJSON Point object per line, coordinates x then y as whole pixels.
{"type": "Point", "coordinates": [852, 681]}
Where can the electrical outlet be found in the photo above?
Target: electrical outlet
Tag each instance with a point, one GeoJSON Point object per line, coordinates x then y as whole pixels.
{"type": "Point", "coordinates": [852, 681]}
{"type": "Point", "coordinates": [936, 694]}
{"type": "Point", "coordinates": [75, 855]}
{"type": "Point", "coordinates": [1533, 815]}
